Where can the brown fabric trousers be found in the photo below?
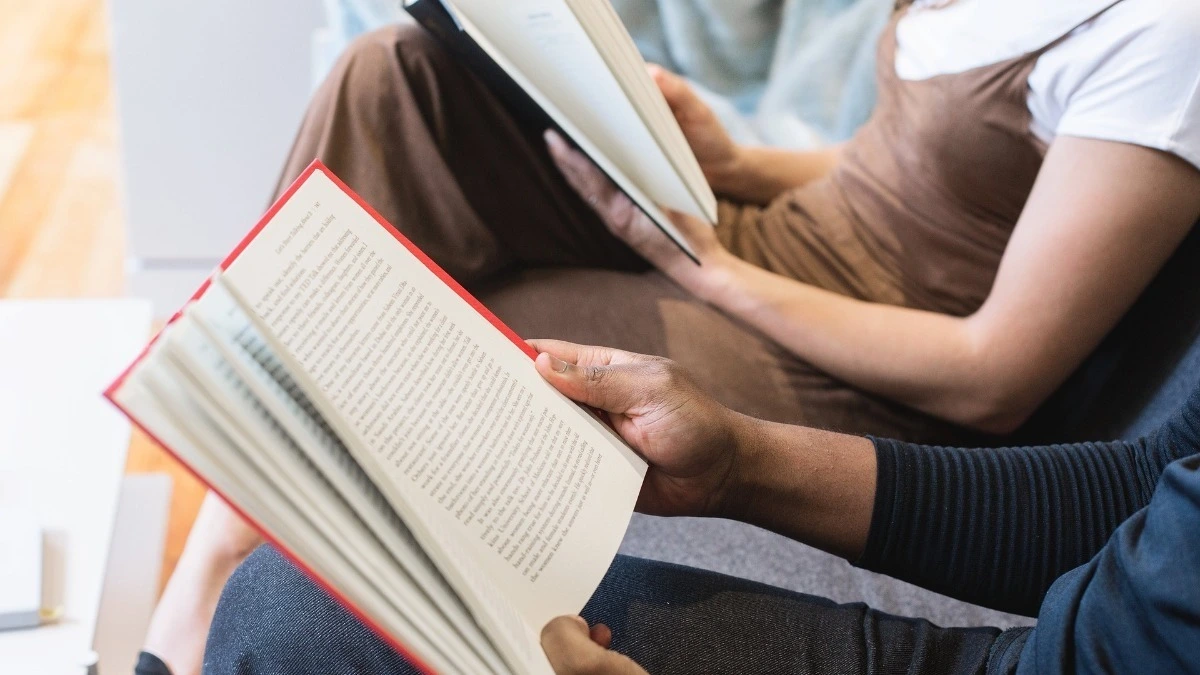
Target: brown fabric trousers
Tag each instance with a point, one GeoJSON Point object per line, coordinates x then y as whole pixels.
{"type": "Point", "coordinates": [429, 147]}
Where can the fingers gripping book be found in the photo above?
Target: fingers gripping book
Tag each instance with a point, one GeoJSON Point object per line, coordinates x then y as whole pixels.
{"type": "Point", "coordinates": [389, 434]}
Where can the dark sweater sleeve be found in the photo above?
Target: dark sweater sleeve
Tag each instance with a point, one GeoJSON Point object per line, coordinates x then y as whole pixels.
{"type": "Point", "coordinates": [997, 526]}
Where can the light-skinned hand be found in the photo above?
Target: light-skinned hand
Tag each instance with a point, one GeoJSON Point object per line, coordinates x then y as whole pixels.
{"type": "Point", "coordinates": [720, 158]}
{"type": "Point", "coordinates": [630, 224]}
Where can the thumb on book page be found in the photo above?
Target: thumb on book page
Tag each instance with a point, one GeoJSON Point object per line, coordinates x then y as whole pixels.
{"type": "Point", "coordinates": [612, 388]}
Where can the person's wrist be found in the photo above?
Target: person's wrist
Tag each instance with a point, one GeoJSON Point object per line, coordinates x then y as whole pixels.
{"type": "Point", "coordinates": [714, 279]}
{"type": "Point", "coordinates": [736, 496]}
{"type": "Point", "coordinates": [731, 176]}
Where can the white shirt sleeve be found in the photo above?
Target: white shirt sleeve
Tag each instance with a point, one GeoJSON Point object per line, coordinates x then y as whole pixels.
{"type": "Point", "coordinates": [1131, 76]}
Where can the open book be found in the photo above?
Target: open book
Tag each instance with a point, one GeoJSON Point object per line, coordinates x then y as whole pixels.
{"type": "Point", "coordinates": [389, 434]}
{"type": "Point", "coordinates": [571, 65]}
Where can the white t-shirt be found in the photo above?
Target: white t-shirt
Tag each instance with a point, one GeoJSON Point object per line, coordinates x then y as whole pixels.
{"type": "Point", "coordinates": [1131, 75]}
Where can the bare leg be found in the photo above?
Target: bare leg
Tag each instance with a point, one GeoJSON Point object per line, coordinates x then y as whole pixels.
{"type": "Point", "coordinates": [217, 544]}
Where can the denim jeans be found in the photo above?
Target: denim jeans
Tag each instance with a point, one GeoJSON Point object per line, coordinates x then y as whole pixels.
{"type": "Point", "coordinates": [670, 619]}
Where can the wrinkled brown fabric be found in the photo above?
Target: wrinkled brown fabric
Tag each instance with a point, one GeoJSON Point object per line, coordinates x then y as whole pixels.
{"type": "Point", "coordinates": [917, 215]}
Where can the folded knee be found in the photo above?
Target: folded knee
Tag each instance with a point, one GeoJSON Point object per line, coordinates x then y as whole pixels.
{"type": "Point", "coordinates": [373, 62]}
{"type": "Point", "coordinates": [274, 619]}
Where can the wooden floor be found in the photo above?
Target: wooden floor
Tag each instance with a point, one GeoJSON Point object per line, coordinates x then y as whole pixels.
{"type": "Point", "coordinates": [61, 230]}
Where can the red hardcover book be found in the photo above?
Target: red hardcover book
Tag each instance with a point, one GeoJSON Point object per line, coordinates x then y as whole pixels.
{"type": "Point", "coordinates": [388, 434]}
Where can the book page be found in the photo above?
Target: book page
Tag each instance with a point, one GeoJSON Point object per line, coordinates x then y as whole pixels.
{"type": "Point", "coordinates": [532, 34]}
{"type": "Point", "coordinates": [445, 413]}
{"type": "Point", "coordinates": [616, 46]}
{"type": "Point", "coordinates": [241, 346]}
{"type": "Point", "coordinates": [226, 397]}
{"type": "Point", "coordinates": [589, 148]}
{"type": "Point", "coordinates": [161, 406]}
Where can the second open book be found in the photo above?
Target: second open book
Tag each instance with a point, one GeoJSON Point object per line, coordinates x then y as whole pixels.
{"type": "Point", "coordinates": [570, 65]}
{"type": "Point", "coordinates": [389, 434]}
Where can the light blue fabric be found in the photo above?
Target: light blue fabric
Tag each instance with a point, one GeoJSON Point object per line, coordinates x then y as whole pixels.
{"type": "Point", "coordinates": [791, 73]}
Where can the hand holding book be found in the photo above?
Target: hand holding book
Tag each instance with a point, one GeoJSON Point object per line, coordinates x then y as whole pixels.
{"type": "Point", "coordinates": [687, 438]}
{"type": "Point", "coordinates": [720, 158]}
{"type": "Point", "coordinates": [706, 460]}
{"type": "Point", "coordinates": [570, 65]}
{"type": "Point", "coordinates": [635, 228]}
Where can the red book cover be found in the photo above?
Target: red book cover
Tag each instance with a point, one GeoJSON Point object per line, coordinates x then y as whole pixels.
{"type": "Point", "coordinates": [110, 393]}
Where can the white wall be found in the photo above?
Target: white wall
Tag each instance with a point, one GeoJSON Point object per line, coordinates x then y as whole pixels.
{"type": "Point", "coordinates": [209, 95]}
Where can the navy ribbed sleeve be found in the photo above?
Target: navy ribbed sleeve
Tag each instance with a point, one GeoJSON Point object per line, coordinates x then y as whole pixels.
{"type": "Point", "coordinates": [996, 527]}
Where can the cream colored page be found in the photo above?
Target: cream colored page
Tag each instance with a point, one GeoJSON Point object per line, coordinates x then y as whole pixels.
{"type": "Point", "coordinates": [536, 492]}
{"type": "Point", "coordinates": [544, 40]}
{"type": "Point", "coordinates": [219, 390]}
{"type": "Point", "coordinates": [614, 43]}
{"type": "Point", "coordinates": [164, 411]}
{"type": "Point", "coordinates": [589, 148]}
